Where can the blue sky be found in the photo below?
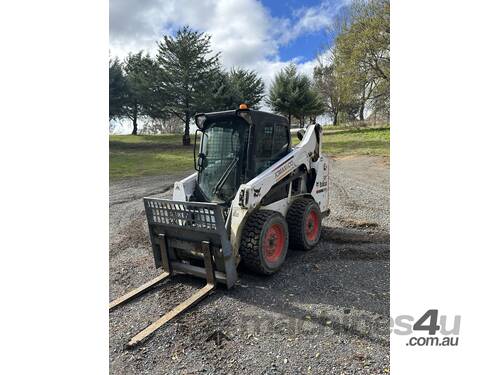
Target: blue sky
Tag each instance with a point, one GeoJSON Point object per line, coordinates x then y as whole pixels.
{"type": "Point", "coordinates": [306, 46]}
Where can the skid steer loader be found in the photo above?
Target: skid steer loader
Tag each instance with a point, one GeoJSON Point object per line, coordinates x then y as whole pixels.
{"type": "Point", "coordinates": [252, 196]}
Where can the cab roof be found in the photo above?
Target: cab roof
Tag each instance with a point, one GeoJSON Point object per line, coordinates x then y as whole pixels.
{"type": "Point", "coordinates": [257, 117]}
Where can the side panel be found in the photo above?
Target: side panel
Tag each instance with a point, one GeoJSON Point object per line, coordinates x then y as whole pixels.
{"type": "Point", "coordinates": [280, 206]}
{"type": "Point", "coordinates": [320, 191]}
{"type": "Point", "coordinates": [184, 189]}
{"type": "Point", "coordinates": [237, 221]}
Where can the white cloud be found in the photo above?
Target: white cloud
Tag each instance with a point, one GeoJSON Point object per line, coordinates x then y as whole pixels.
{"type": "Point", "coordinates": [312, 19]}
{"type": "Point", "coordinates": [243, 31]}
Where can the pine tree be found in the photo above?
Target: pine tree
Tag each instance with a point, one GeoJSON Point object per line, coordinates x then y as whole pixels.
{"type": "Point", "coordinates": [236, 87]}
{"type": "Point", "coordinates": [248, 86]}
{"type": "Point", "coordinates": [117, 90]}
{"type": "Point", "coordinates": [293, 94]}
{"type": "Point", "coordinates": [188, 71]}
{"type": "Point", "coordinates": [138, 78]}
{"type": "Point", "coordinates": [281, 94]}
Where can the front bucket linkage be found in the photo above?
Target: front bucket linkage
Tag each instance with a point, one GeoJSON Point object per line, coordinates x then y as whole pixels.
{"type": "Point", "coordinates": [166, 265]}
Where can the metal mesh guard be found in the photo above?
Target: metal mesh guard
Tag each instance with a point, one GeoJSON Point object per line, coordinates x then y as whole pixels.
{"type": "Point", "coordinates": [175, 213]}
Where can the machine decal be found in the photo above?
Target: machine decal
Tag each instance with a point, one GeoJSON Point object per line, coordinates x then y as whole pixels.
{"type": "Point", "coordinates": [282, 170]}
{"type": "Point", "coordinates": [322, 184]}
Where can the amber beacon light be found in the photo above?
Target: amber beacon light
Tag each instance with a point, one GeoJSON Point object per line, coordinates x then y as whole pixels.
{"type": "Point", "coordinates": [243, 106]}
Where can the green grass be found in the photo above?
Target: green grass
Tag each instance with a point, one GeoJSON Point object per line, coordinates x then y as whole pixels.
{"type": "Point", "coordinates": [370, 141]}
{"type": "Point", "coordinates": [349, 141]}
{"type": "Point", "coordinates": [165, 139]}
{"type": "Point", "coordinates": [149, 155]}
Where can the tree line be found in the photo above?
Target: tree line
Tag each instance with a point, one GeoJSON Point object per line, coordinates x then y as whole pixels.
{"type": "Point", "coordinates": [355, 78]}
{"type": "Point", "coordinates": [186, 77]}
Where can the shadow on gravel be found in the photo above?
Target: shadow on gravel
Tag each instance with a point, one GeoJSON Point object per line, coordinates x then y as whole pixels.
{"type": "Point", "coordinates": [353, 236]}
{"type": "Point", "coordinates": [367, 325]}
{"type": "Point", "coordinates": [347, 271]}
{"type": "Point", "coordinates": [352, 244]}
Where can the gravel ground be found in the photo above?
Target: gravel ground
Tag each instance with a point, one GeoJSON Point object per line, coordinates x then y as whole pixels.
{"type": "Point", "coordinates": [326, 311]}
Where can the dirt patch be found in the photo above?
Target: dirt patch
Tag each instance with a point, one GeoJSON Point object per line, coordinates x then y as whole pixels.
{"type": "Point", "coordinates": [348, 223]}
{"type": "Point", "coordinates": [134, 234]}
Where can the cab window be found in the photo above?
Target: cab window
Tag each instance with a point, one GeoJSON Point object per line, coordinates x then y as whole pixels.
{"type": "Point", "coordinates": [272, 143]}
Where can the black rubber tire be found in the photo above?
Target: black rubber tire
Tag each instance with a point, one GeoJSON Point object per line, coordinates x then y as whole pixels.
{"type": "Point", "coordinates": [251, 247]}
{"type": "Point", "coordinates": [296, 219]}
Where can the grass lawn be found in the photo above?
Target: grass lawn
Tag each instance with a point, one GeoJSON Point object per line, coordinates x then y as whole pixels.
{"type": "Point", "coordinates": [370, 141]}
{"type": "Point", "coordinates": [148, 155]}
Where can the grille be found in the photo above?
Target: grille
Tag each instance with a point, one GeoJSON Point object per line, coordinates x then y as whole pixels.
{"type": "Point", "coordinates": [174, 213]}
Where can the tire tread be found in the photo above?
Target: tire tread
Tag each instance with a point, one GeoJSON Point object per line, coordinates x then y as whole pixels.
{"type": "Point", "coordinates": [250, 238]}
{"type": "Point", "coordinates": [295, 218]}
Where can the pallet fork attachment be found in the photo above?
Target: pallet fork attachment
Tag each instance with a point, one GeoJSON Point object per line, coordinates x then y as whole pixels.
{"type": "Point", "coordinates": [194, 299]}
{"type": "Point", "coordinates": [184, 234]}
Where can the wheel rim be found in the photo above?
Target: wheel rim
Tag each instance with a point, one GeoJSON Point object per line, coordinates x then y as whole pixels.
{"type": "Point", "coordinates": [274, 242]}
{"type": "Point", "coordinates": [312, 225]}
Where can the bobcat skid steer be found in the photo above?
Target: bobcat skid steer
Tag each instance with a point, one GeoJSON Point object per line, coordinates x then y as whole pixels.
{"type": "Point", "coordinates": [252, 196]}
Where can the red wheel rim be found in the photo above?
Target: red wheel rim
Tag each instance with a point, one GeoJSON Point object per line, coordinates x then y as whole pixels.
{"type": "Point", "coordinates": [274, 242]}
{"type": "Point", "coordinates": [312, 225]}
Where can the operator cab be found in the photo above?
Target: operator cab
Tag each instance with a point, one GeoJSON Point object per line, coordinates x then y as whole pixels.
{"type": "Point", "coordinates": [236, 146]}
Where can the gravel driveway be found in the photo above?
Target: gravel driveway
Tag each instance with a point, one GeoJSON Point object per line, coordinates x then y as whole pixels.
{"type": "Point", "coordinates": [326, 311]}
